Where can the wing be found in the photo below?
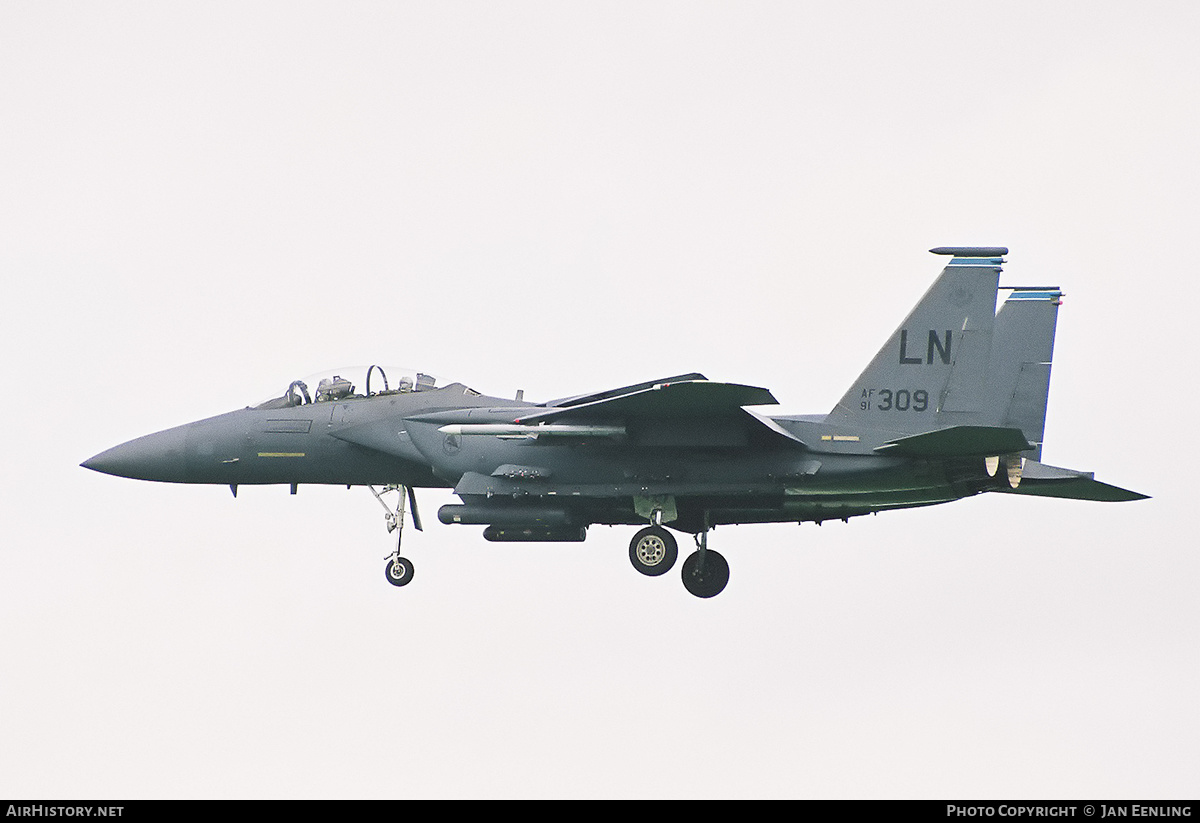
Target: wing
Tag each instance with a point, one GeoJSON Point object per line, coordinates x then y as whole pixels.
{"type": "Point", "coordinates": [594, 396]}
{"type": "Point", "coordinates": [687, 411]}
{"type": "Point", "coordinates": [680, 412]}
{"type": "Point", "coordinates": [677, 398]}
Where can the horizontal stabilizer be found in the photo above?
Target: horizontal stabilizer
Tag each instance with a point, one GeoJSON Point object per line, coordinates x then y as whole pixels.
{"type": "Point", "coordinates": [1050, 481]}
{"type": "Point", "coordinates": [959, 441]}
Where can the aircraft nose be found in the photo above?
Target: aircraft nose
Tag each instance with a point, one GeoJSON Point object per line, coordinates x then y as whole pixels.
{"type": "Point", "coordinates": [153, 457]}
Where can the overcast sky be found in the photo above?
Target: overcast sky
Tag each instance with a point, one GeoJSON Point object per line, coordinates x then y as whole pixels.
{"type": "Point", "coordinates": [200, 202]}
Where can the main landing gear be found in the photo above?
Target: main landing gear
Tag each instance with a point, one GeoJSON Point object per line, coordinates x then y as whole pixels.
{"type": "Point", "coordinates": [653, 552]}
{"type": "Point", "coordinates": [705, 572]}
{"type": "Point", "coordinates": [399, 570]}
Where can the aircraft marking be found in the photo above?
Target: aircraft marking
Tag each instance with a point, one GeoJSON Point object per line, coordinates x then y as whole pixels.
{"type": "Point", "coordinates": [935, 344]}
{"type": "Point", "coordinates": [900, 400]}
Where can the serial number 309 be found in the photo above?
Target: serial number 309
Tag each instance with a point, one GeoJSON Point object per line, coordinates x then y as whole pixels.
{"type": "Point", "coordinates": [900, 400]}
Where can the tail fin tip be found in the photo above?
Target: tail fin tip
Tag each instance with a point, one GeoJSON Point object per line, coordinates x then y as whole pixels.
{"type": "Point", "coordinates": [971, 251]}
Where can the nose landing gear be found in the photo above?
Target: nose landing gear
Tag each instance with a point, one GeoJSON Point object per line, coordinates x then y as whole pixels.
{"type": "Point", "coordinates": [399, 570]}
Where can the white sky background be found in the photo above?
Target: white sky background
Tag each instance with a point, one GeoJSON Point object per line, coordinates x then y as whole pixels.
{"type": "Point", "coordinates": [200, 202]}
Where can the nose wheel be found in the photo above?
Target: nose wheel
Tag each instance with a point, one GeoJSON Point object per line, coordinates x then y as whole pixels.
{"type": "Point", "coordinates": [399, 571]}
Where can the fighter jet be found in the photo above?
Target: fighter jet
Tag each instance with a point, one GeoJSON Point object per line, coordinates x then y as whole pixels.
{"type": "Point", "coordinates": [953, 405]}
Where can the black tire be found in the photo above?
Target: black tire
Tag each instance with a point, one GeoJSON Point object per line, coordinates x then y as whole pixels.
{"type": "Point", "coordinates": [709, 579]}
{"type": "Point", "coordinates": [653, 551]}
{"type": "Point", "coordinates": [399, 572]}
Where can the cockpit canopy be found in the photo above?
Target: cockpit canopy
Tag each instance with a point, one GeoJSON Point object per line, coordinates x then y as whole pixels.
{"type": "Point", "coordinates": [352, 383]}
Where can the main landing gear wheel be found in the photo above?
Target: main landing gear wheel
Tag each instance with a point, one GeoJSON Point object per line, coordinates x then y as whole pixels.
{"type": "Point", "coordinates": [705, 573]}
{"type": "Point", "coordinates": [399, 571]}
{"type": "Point", "coordinates": [652, 551]}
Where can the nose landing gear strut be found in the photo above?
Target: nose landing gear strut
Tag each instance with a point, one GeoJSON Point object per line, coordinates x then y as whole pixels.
{"type": "Point", "coordinates": [399, 570]}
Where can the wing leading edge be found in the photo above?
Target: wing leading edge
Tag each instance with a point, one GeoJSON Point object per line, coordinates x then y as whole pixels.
{"type": "Point", "coordinates": [684, 398]}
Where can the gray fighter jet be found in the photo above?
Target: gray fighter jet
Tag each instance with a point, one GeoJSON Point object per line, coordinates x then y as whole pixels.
{"type": "Point", "coordinates": [953, 405]}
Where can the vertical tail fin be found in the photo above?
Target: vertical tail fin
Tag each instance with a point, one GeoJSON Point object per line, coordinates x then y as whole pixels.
{"type": "Point", "coordinates": [932, 371]}
{"type": "Point", "coordinates": [1022, 350]}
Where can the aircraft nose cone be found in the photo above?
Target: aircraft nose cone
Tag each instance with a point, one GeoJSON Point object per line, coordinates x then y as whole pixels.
{"type": "Point", "coordinates": [153, 457]}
